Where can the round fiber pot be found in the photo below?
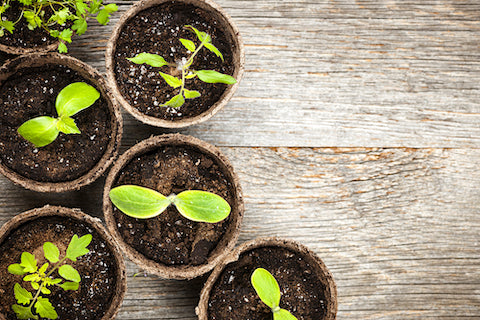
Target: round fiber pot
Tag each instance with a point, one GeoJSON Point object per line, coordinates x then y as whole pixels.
{"type": "Point", "coordinates": [102, 270]}
{"type": "Point", "coordinates": [29, 86]}
{"type": "Point", "coordinates": [307, 288]}
{"type": "Point", "coordinates": [155, 26]}
{"type": "Point", "coordinates": [169, 245]}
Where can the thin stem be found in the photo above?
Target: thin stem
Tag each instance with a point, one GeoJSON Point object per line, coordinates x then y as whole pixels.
{"type": "Point", "coordinates": [190, 60]}
{"type": "Point", "coordinates": [183, 81]}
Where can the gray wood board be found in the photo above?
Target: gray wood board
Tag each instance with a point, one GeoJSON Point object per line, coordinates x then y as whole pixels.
{"type": "Point", "coordinates": [397, 227]}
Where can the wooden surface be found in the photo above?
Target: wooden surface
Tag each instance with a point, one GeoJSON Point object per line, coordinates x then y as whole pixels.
{"type": "Point", "coordinates": [356, 130]}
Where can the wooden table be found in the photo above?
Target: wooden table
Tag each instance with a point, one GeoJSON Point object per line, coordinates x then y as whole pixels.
{"type": "Point", "coordinates": [356, 130]}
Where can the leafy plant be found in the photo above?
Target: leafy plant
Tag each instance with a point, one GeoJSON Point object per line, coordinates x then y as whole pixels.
{"type": "Point", "coordinates": [268, 290]}
{"type": "Point", "coordinates": [143, 203]}
{"type": "Point", "coordinates": [42, 278]}
{"type": "Point", "coordinates": [74, 98]}
{"type": "Point", "coordinates": [184, 65]}
{"type": "Point", "coordinates": [61, 19]}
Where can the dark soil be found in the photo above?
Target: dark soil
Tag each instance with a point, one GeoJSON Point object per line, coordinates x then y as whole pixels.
{"type": "Point", "coordinates": [170, 238]}
{"type": "Point", "coordinates": [23, 37]}
{"type": "Point", "coordinates": [97, 268]}
{"type": "Point", "coordinates": [233, 297]}
{"type": "Point", "coordinates": [157, 30]}
{"type": "Point", "coordinates": [32, 93]}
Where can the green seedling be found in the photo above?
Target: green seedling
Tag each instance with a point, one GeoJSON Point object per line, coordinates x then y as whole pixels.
{"type": "Point", "coordinates": [268, 290]}
{"type": "Point", "coordinates": [184, 65]}
{"type": "Point", "coordinates": [143, 203]}
{"type": "Point", "coordinates": [61, 19]}
{"type": "Point", "coordinates": [74, 98]}
{"type": "Point", "coordinates": [42, 278]}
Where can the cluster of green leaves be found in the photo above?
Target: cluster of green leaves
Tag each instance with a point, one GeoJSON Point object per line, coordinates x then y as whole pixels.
{"type": "Point", "coordinates": [74, 98]}
{"type": "Point", "coordinates": [42, 278]}
{"type": "Point", "coordinates": [143, 203]}
{"type": "Point", "coordinates": [268, 290]}
{"type": "Point", "coordinates": [208, 76]}
{"type": "Point", "coordinates": [54, 16]}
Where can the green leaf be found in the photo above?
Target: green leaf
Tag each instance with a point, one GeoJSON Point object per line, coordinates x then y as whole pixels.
{"type": "Point", "coordinates": [139, 202]}
{"type": "Point", "coordinates": [35, 285]}
{"type": "Point", "coordinates": [266, 287]}
{"type": "Point", "coordinates": [32, 19]}
{"type": "Point", "coordinates": [214, 49]}
{"type": "Point", "coordinates": [212, 76]}
{"type": "Point", "coordinates": [45, 290]}
{"type": "Point", "coordinates": [43, 268]}
{"type": "Point", "coordinates": [60, 16]}
{"type": "Point", "coordinates": [190, 76]}
{"type": "Point", "coordinates": [32, 277]}
{"type": "Point", "coordinates": [8, 25]}
{"type": "Point", "coordinates": [17, 269]}
{"type": "Point", "coordinates": [25, 2]}
{"type": "Point", "coordinates": [283, 314]}
{"type": "Point", "coordinates": [51, 252]}
{"type": "Point", "coordinates": [23, 296]}
{"type": "Point", "coordinates": [202, 36]}
{"type": "Point", "coordinates": [171, 80]}
{"type": "Point", "coordinates": [45, 309]}
{"type": "Point", "coordinates": [191, 94]}
{"type": "Point", "coordinates": [104, 14]}
{"type": "Point", "coordinates": [62, 47]}
{"type": "Point", "coordinates": [28, 262]}
{"type": "Point", "coordinates": [153, 60]}
{"type": "Point", "coordinates": [74, 98]}
{"type": "Point", "coordinates": [66, 35]}
{"type": "Point", "coordinates": [50, 282]}
{"type": "Point", "coordinates": [78, 246]}
{"type": "Point", "coordinates": [23, 312]}
{"type": "Point", "coordinates": [202, 206]}
{"type": "Point", "coordinates": [69, 273]}
{"type": "Point", "coordinates": [69, 286]}
{"type": "Point", "coordinates": [67, 125]}
{"type": "Point", "coordinates": [40, 131]}
{"type": "Point", "coordinates": [190, 45]}
{"type": "Point", "coordinates": [80, 26]}
{"type": "Point", "coordinates": [176, 102]}
{"type": "Point", "coordinates": [82, 8]}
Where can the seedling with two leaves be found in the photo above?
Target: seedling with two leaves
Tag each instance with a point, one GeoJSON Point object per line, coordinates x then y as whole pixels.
{"type": "Point", "coordinates": [42, 278]}
{"type": "Point", "coordinates": [74, 98]}
{"type": "Point", "coordinates": [184, 65]}
{"type": "Point", "coordinates": [143, 203]}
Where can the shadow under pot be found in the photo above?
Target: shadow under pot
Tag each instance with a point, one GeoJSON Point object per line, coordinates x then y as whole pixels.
{"type": "Point", "coordinates": [169, 243]}
{"type": "Point", "coordinates": [176, 87]}
{"type": "Point", "coordinates": [306, 288]}
{"type": "Point", "coordinates": [30, 88]}
{"type": "Point", "coordinates": [70, 247]}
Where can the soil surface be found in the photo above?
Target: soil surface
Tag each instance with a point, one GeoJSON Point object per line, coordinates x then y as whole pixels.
{"type": "Point", "coordinates": [157, 30]}
{"type": "Point", "coordinates": [97, 268]}
{"type": "Point", "coordinates": [23, 37]}
{"type": "Point", "coordinates": [233, 297]}
{"type": "Point", "coordinates": [170, 238]}
{"type": "Point", "coordinates": [32, 93]}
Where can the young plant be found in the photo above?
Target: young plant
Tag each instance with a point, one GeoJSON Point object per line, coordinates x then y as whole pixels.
{"type": "Point", "coordinates": [268, 290]}
{"type": "Point", "coordinates": [43, 130]}
{"type": "Point", "coordinates": [184, 65]}
{"type": "Point", "coordinates": [61, 19]}
{"type": "Point", "coordinates": [42, 278]}
{"type": "Point", "coordinates": [143, 203]}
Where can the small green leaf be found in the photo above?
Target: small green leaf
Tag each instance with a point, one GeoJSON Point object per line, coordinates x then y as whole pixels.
{"type": "Point", "coordinates": [50, 282]}
{"type": "Point", "coordinates": [62, 47]}
{"type": "Point", "coordinates": [191, 94]}
{"type": "Point", "coordinates": [78, 246]}
{"type": "Point", "coordinates": [23, 312]}
{"type": "Point", "coordinates": [67, 125]}
{"type": "Point", "coordinates": [212, 76]}
{"type": "Point", "coordinates": [69, 273]}
{"type": "Point", "coordinates": [153, 60]}
{"type": "Point", "coordinates": [43, 268]}
{"type": "Point", "coordinates": [139, 202]}
{"type": "Point", "coordinates": [22, 295]}
{"type": "Point", "coordinates": [202, 206]}
{"type": "Point", "coordinates": [51, 252]}
{"type": "Point", "coordinates": [45, 309]}
{"type": "Point", "coordinates": [176, 102]}
{"type": "Point", "coordinates": [35, 285]}
{"type": "Point", "coordinates": [74, 98]}
{"type": "Point", "coordinates": [190, 76]}
{"type": "Point", "coordinates": [283, 314]}
{"type": "Point", "coordinates": [266, 287]}
{"type": "Point", "coordinates": [80, 26]}
{"type": "Point", "coordinates": [60, 16]}
{"type": "Point", "coordinates": [214, 49]}
{"type": "Point", "coordinates": [69, 286]}
{"type": "Point", "coordinates": [40, 131]}
{"type": "Point", "coordinates": [104, 14]}
{"type": "Point", "coordinates": [32, 277]}
{"type": "Point", "coordinates": [171, 80]}
{"type": "Point", "coordinates": [32, 19]}
{"type": "Point", "coordinates": [66, 35]}
{"type": "Point", "coordinates": [17, 269]}
{"type": "Point", "coordinates": [8, 25]}
{"type": "Point", "coordinates": [202, 36]}
{"type": "Point", "coordinates": [190, 45]}
{"type": "Point", "coordinates": [28, 262]}
{"type": "Point", "coordinates": [45, 290]}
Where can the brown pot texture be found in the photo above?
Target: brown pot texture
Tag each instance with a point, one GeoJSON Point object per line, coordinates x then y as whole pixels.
{"type": "Point", "coordinates": [57, 225]}
{"type": "Point", "coordinates": [22, 51]}
{"type": "Point", "coordinates": [225, 24]}
{"type": "Point", "coordinates": [109, 108]}
{"type": "Point", "coordinates": [259, 253]}
{"type": "Point", "coordinates": [155, 242]}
